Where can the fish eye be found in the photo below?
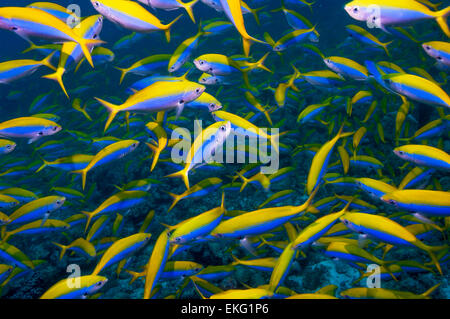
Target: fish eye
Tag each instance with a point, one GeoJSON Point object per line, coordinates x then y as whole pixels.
{"type": "Point", "coordinates": [345, 222]}
{"type": "Point", "coordinates": [427, 47]}
{"type": "Point", "coordinates": [55, 128]}
{"type": "Point", "coordinates": [392, 202]}
{"type": "Point", "coordinates": [14, 28]}
{"type": "Point", "coordinates": [401, 153]}
{"type": "Point", "coordinates": [201, 62]}
{"type": "Point", "coordinates": [355, 10]}
{"type": "Point", "coordinates": [223, 128]}
{"type": "Point", "coordinates": [41, 133]}
{"type": "Point", "coordinates": [210, 69]}
{"type": "Point", "coordinates": [197, 91]}
{"type": "Point", "coordinates": [96, 3]}
{"type": "Point", "coordinates": [99, 284]}
{"type": "Point", "coordinates": [58, 202]}
{"type": "Point", "coordinates": [439, 58]}
{"type": "Point", "coordinates": [181, 102]}
{"type": "Point", "coordinates": [178, 239]}
{"type": "Point", "coordinates": [134, 145]}
{"type": "Point", "coordinates": [95, 36]}
{"type": "Point", "coordinates": [8, 146]}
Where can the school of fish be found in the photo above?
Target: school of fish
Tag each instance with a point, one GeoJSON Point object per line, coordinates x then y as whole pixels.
{"type": "Point", "coordinates": [98, 201]}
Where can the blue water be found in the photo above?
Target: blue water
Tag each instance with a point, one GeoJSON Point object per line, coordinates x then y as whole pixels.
{"type": "Point", "coordinates": [307, 274]}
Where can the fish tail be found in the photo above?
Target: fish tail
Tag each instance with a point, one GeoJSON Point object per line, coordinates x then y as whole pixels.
{"type": "Point", "coordinates": [134, 275]}
{"type": "Point", "coordinates": [430, 291]}
{"type": "Point", "coordinates": [244, 181]}
{"type": "Point", "coordinates": [267, 115]}
{"type": "Point", "coordinates": [83, 173]}
{"type": "Point", "coordinates": [441, 19]}
{"type": "Point", "coordinates": [260, 63]}
{"type": "Point", "coordinates": [255, 14]}
{"type": "Point", "coordinates": [5, 235]}
{"type": "Point", "coordinates": [184, 176]}
{"type": "Point", "coordinates": [247, 42]}
{"type": "Point", "coordinates": [269, 39]}
{"type": "Point", "coordinates": [57, 76]}
{"type": "Point", "coordinates": [30, 48]}
{"type": "Point", "coordinates": [222, 204]}
{"type": "Point", "coordinates": [47, 61]}
{"type": "Point", "coordinates": [430, 250]}
{"type": "Point", "coordinates": [89, 216]}
{"type": "Point", "coordinates": [385, 47]}
{"type": "Point", "coordinates": [43, 165]}
{"type": "Point", "coordinates": [188, 7]}
{"type": "Point", "coordinates": [79, 64]}
{"type": "Point", "coordinates": [122, 74]}
{"type": "Point", "coordinates": [112, 109]}
{"type": "Point", "coordinates": [86, 51]}
{"type": "Point", "coordinates": [85, 113]}
{"type": "Point", "coordinates": [156, 153]}
{"type": "Point", "coordinates": [176, 199]}
{"type": "Point", "coordinates": [168, 27]}
{"type": "Point", "coordinates": [63, 249]}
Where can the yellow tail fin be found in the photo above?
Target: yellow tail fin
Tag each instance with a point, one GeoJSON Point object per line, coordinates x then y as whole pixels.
{"type": "Point", "coordinates": [169, 26]}
{"type": "Point", "coordinates": [188, 7]}
{"type": "Point", "coordinates": [47, 60]}
{"type": "Point", "coordinates": [86, 51]}
{"type": "Point", "coordinates": [83, 173]}
{"type": "Point", "coordinates": [57, 76]}
{"type": "Point", "coordinates": [123, 73]}
{"type": "Point", "coordinates": [89, 216]}
{"type": "Point", "coordinates": [176, 199]}
{"type": "Point", "coordinates": [184, 174]}
{"type": "Point", "coordinates": [441, 18]}
{"type": "Point", "coordinates": [113, 110]}
{"type": "Point", "coordinates": [63, 249]}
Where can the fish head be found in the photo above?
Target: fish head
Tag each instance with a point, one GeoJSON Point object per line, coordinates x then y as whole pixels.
{"type": "Point", "coordinates": [356, 11]}
{"type": "Point", "coordinates": [345, 220]}
{"type": "Point", "coordinates": [203, 65]}
{"type": "Point", "coordinates": [193, 91]}
{"type": "Point", "coordinates": [101, 8]}
{"type": "Point", "coordinates": [59, 202]}
{"type": "Point", "coordinates": [48, 130]}
{"type": "Point", "coordinates": [402, 154]}
{"type": "Point", "coordinates": [8, 148]}
{"type": "Point", "coordinates": [330, 64]}
{"type": "Point", "coordinates": [215, 4]}
{"type": "Point", "coordinates": [389, 200]}
{"type": "Point", "coordinates": [6, 24]}
{"type": "Point", "coordinates": [278, 48]}
{"type": "Point", "coordinates": [431, 51]}
{"type": "Point", "coordinates": [208, 79]}
{"type": "Point", "coordinates": [178, 240]}
{"type": "Point", "coordinates": [94, 288]}
{"type": "Point", "coordinates": [223, 132]}
{"type": "Point", "coordinates": [214, 107]}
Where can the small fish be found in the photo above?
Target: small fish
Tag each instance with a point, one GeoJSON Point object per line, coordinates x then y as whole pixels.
{"type": "Point", "coordinates": [85, 287]}
{"type": "Point", "coordinates": [31, 128]}
{"type": "Point", "coordinates": [31, 22]}
{"type": "Point", "coordinates": [132, 16]}
{"type": "Point", "coordinates": [121, 249]}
